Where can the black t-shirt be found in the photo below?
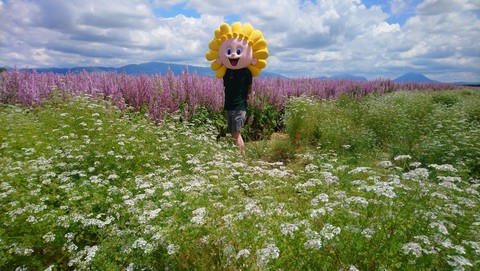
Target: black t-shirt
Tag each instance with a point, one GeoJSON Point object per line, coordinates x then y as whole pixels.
{"type": "Point", "coordinates": [236, 83]}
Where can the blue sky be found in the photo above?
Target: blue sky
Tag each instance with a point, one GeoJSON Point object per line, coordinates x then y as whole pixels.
{"type": "Point", "coordinates": [375, 39]}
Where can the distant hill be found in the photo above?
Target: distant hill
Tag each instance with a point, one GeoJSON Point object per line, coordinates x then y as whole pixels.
{"type": "Point", "coordinates": [162, 68]}
{"type": "Point", "coordinates": [414, 77]}
{"type": "Point", "coordinates": [349, 76]}
{"type": "Point", "coordinates": [148, 68]}
{"type": "Point", "coordinates": [344, 76]}
{"type": "Point", "coordinates": [468, 84]}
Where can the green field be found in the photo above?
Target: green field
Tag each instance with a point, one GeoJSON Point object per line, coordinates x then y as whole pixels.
{"type": "Point", "coordinates": [387, 182]}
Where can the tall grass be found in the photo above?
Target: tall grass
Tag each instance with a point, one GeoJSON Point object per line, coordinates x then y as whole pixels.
{"type": "Point", "coordinates": [86, 186]}
{"type": "Point", "coordinates": [431, 127]}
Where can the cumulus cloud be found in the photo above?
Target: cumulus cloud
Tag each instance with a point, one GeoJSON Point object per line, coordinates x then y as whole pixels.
{"type": "Point", "coordinates": [435, 7]}
{"type": "Point", "coordinates": [397, 6]}
{"type": "Point", "coordinates": [306, 38]}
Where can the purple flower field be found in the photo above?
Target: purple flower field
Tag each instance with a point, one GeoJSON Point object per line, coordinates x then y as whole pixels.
{"type": "Point", "coordinates": [160, 94]}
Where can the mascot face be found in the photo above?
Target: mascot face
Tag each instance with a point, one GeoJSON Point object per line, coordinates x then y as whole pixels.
{"type": "Point", "coordinates": [235, 54]}
{"type": "Point", "coordinates": [237, 47]}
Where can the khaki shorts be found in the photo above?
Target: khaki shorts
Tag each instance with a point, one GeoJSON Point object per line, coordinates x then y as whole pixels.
{"type": "Point", "coordinates": [235, 119]}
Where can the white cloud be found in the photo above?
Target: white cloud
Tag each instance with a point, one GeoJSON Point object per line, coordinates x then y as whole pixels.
{"type": "Point", "coordinates": [384, 27]}
{"type": "Point", "coordinates": [435, 7]}
{"type": "Point", "coordinates": [166, 3]}
{"type": "Point", "coordinates": [419, 49]}
{"type": "Point", "coordinates": [306, 38]}
{"type": "Point", "coordinates": [397, 6]}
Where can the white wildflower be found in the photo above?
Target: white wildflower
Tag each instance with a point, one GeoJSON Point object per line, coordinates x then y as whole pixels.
{"type": "Point", "coordinates": [84, 257]}
{"type": "Point", "coordinates": [139, 243]}
{"type": "Point", "coordinates": [242, 253]}
{"type": "Point", "coordinates": [288, 228]}
{"type": "Point", "coordinates": [228, 219]}
{"type": "Point", "coordinates": [49, 237]}
{"type": "Point", "coordinates": [112, 176]}
{"type": "Point", "coordinates": [361, 200]}
{"type": "Point", "coordinates": [402, 157]}
{"type": "Point", "coordinates": [149, 215]}
{"type": "Point", "coordinates": [205, 239]}
{"type": "Point", "coordinates": [439, 196]}
{"type": "Point", "coordinates": [412, 248]}
{"type": "Point", "coordinates": [199, 216]}
{"type": "Point", "coordinates": [130, 267]}
{"type": "Point", "coordinates": [315, 213]}
{"type": "Point", "coordinates": [303, 187]}
{"type": "Point", "coordinates": [172, 249]}
{"type": "Point", "coordinates": [330, 231]}
{"type": "Point", "coordinates": [459, 249]}
{"type": "Point", "coordinates": [72, 247]}
{"type": "Point", "coordinates": [350, 268]}
{"type": "Point", "coordinates": [91, 251]}
{"type": "Point", "coordinates": [142, 244]}
{"type": "Point", "coordinates": [450, 185]}
{"type": "Point", "coordinates": [381, 189]}
{"type": "Point", "coordinates": [315, 244]}
{"type": "Point", "coordinates": [441, 227]}
{"type": "Point", "coordinates": [415, 164]}
{"type": "Point", "coordinates": [368, 232]}
{"type": "Point", "coordinates": [385, 164]}
{"type": "Point", "coordinates": [311, 167]}
{"type": "Point", "coordinates": [322, 197]}
{"type": "Point", "coordinates": [416, 174]}
{"type": "Point", "coordinates": [359, 170]}
{"type": "Point", "coordinates": [27, 251]}
{"type": "Point", "coordinates": [450, 179]}
{"type": "Point", "coordinates": [218, 205]}
{"type": "Point", "coordinates": [266, 254]}
{"type": "Point", "coordinates": [329, 178]}
{"type": "Point", "coordinates": [444, 167]}
{"type": "Point", "coordinates": [252, 208]}
{"type": "Point", "coordinates": [458, 262]}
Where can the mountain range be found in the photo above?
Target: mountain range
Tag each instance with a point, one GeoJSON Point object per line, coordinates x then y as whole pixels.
{"type": "Point", "coordinates": [344, 76]}
{"type": "Point", "coordinates": [414, 77]}
{"type": "Point", "coordinates": [163, 68]}
{"type": "Point", "coordinates": [148, 68]}
{"type": "Point", "coordinates": [407, 77]}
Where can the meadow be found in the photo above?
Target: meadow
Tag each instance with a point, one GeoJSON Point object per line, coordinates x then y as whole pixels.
{"type": "Point", "coordinates": [117, 172]}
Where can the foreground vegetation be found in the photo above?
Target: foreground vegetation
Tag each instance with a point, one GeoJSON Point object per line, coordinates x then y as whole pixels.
{"type": "Point", "coordinates": [381, 183]}
{"type": "Point", "coordinates": [188, 94]}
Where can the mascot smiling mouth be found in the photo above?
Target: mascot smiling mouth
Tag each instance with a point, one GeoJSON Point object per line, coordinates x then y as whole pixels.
{"type": "Point", "coordinates": [233, 61]}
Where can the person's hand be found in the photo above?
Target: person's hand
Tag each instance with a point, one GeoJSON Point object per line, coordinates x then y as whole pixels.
{"type": "Point", "coordinates": [250, 96]}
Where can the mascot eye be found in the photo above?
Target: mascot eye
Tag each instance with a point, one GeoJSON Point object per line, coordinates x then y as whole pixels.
{"type": "Point", "coordinates": [239, 51]}
{"type": "Point", "coordinates": [229, 51]}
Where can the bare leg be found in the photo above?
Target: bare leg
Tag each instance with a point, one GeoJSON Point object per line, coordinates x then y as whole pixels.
{"type": "Point", "coordinates": [237, 137]}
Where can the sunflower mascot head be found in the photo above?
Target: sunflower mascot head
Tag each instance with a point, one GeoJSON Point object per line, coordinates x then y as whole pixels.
{"type": "Point", "coordinates": [237, 47]}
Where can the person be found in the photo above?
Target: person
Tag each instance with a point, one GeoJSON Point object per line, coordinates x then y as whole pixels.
{"type": "Point", "coordinates": [238, 53]}
{"type": "Point", "coordinates": [238, 91]}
